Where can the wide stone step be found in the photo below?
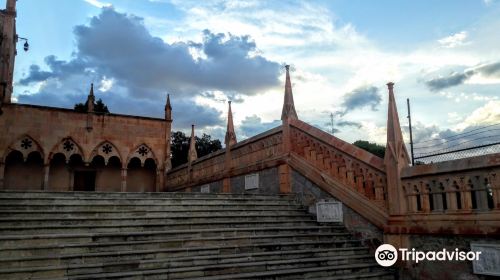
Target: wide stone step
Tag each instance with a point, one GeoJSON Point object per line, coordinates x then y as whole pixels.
{"type": "Point", "coordinates": [183, 218]}
{"type": "Point", "coordinates": [132, 207]}
{"type": "Point", "coordinates": [161, 253]}
{"type": "Point", "coordinates": [374, 275]}
{"type": "Point", "coordinates": [75, 194]}
{"type": "Point", "coordinates": [187, 262]}
{"type": "Point", "coordinates": [56, 214]}
{"type": "Point", "coordinates": [276, 269]}
{"type": "Point", "coordinates": [31, 248]}
{"type": "Point", "coordinates": [96, 201]}
{"type": "Point", "coordinates": [320, 273]}
{"type": "Point", "coordinates": [93, 235]}
{"type": "Point", "coordinates": [7, 241]}
{"type": "Point", "coordinates": [153, 226]}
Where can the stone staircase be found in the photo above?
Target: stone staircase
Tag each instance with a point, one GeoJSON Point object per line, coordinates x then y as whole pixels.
{"type": "Point", "coordinates": [77, 235]}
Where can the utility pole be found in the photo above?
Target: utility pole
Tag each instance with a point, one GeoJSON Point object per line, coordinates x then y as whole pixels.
{"type": "Point", "coordinates": [411, 134]}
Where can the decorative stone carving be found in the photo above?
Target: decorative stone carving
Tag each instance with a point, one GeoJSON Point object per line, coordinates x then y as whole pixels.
{"type": "Point", "coordinates": [67, 147]}
{"type": "Point", "coordinates": [106, 150]}
{"type": "Point", "coordinates": [142, 152]}
{"type": "Point", "coordinates": [26, 145]}
{"type": "Point", "coordinates": [329, 212]}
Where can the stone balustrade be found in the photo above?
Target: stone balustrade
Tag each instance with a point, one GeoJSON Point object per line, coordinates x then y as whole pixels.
{"type": "Point", "coordinates": [354, 168]}
{"type": "Point", "coordinates": [463, 185]}
{"type": "Point", "coordinates": [248, 155]}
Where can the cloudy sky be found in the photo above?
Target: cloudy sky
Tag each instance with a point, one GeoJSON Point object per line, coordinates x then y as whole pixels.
{"type": "Point", "coordinates": [443, 55]}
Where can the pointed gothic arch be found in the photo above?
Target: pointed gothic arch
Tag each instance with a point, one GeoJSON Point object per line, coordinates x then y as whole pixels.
{"type": "Point", "coordinates": [24, 163]}
{"type": "Point", "coordinates": [106, 149]}
{"type": "Point", "coordinates": [25, 144]}
{"type": "Point", "coordinates": [68, 147]}
{"type": "Point", "coordinates": [142, 152]}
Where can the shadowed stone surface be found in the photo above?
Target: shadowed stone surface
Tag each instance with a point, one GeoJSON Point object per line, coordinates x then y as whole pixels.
{"type": "Point", "coordinates": [308, 194]}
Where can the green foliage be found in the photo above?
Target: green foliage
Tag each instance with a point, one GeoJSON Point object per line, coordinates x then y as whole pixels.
{"type": "Point", "coordinates": [99, 107]}
{"type": "Point", "coordinates": [180, 147]}
{"type": "Point", "coordinates": [373, 148]}
{"type": "Point", "coordinates": [81, 107]}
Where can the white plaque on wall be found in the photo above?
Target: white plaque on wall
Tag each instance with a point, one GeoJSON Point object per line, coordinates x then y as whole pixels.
{"type": "Point", "coordinates": [205, 188]}
{"type": "Point", "coordinates": [329, 212]}
{"type": "Point", "coordinates": [489, 259]}
{"type": "Point", "coordinates": [252, 181]}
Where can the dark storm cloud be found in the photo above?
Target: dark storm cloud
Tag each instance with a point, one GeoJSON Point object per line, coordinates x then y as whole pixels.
{"type": "Point", "coordinates": [491, 70]}
{"type": "Point", "coordinates": [360, 98]}
{"type": "Point", "coordinates": [348, 123]}
{"type": "Point", "coordinates": [35, 75]}
{"type": "Point", "coordinates": [458, 78]}
{"type": "Point", "coordinates": [118, 47]}
{"type": "Point", "coordinates": [453, 79]}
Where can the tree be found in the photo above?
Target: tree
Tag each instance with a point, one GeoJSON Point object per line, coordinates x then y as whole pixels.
{"type": "Point", "coordinates": [180, 147]}
{"type": "Point", "coordinates": [373, 148]}
{"type": "Point", "coordinates": [99, 107]}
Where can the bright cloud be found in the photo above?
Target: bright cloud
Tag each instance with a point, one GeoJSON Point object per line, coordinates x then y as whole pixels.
{"type": "Point", "coordinates": [98, 4]}
{"type": "Point", "coordinates": [454, 40]}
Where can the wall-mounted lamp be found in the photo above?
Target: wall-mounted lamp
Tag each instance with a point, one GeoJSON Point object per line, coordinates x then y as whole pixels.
{"type": "Point", "coordinates": [26, 46]}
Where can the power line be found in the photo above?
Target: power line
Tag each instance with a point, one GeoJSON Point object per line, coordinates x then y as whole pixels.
{"type": "Point", "coordinates": [443, 143]}
{"type": "Point", "coordinates": [459, 134]}
{"type": "Point", "coordinates": [447, 148]}
{"type": "Point", "coordinates": [459, 150]}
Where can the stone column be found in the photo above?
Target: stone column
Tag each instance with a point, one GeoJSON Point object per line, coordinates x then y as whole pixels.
{"type": "Point", "coordinates": [424, 195]}
{"type": "Point", "coordinates": [158, 180]}
{"type": "Point", "coordinates": [71, 185]}
{"type": "Point", "coordinates": [494, 181]}
{"type": "Point", "coordinates": [465, 193]}
{"type": "Point", "coordinates": [46, 171]}
{"type": "Point", "coordinates": [124, 180]}
{"type": "Point", "coordinates": [2, 175]}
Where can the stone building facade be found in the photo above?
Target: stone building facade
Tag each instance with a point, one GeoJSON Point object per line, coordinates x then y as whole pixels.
{"type": "Point", "coordinates": [58, 149]}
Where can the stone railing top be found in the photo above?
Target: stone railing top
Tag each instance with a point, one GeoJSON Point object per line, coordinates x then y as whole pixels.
{"type": "Point", "coordinates": [235, 146]}
{"type": "Point", "coordinates": [339, 144]}
{"type": "Point", "coordinates": [257, 137]}
{"type": "Point", "coordinates": [457, 165]}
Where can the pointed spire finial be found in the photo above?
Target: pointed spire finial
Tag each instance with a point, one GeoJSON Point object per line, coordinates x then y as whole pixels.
{"type": "Point", "coordinates": [91, 99]}
{"type": "Point", "coordinates": [193, 155]}
{"type": "Point", "coordinates": [390, 86]}
{"type": "Point", "coordinates": [395, 143]}
{"type": "Point", "coordinates": [168, 109]}
{"type": "Point", "coordinates": [230, 134]}
{"type": "Point", "coordinates": [396, 158]}
{"type": "Point", "coordinates": [288, 111]}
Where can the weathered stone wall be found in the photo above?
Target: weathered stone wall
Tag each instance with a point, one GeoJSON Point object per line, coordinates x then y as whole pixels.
{"type": "Point", "coordinates": [439, 270]}
{"type": "Point", "coordinates": [214, 187]}
{"type": "Point", "coordinates": [268, 182]}
{"type": "Point", "coordinates": [309, 193]}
